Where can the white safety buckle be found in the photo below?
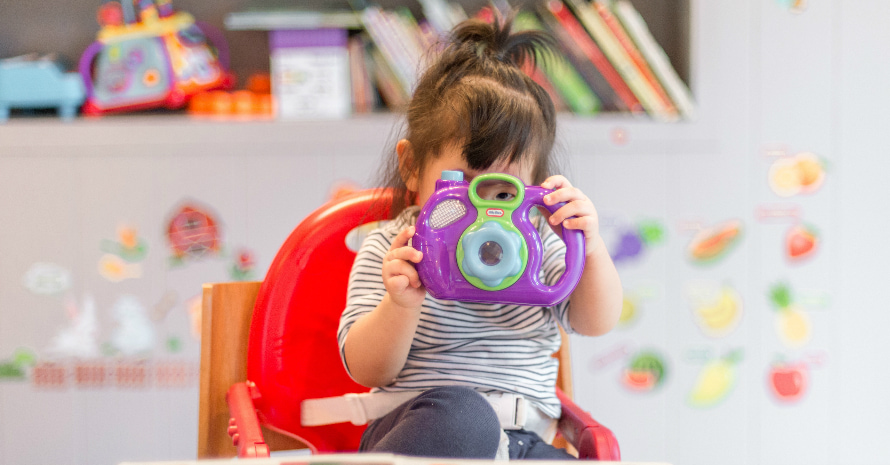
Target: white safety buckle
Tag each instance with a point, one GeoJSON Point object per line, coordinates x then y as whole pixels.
{"type": "Point", "coordinates": [519, 412]}
{"type": "Point", "coordinates": [357, 413]}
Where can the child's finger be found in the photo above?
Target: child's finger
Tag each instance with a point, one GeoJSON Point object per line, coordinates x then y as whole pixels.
{"type": "Point", "coordinates": [583, 223]}
{"type": "Point", "coordinates": [565, 194]}
{"type": "Point", "coordinates": [557, 181]}
{"type": "Point", "coordinates": [576, 208]}
{"type": "Point", "coordinates": [401, 239]}
{"type": "Point", "coordinates": [409, 254]}
{"type": "Point", "coordinates": [402, 268]}
{"type": "Point", "coordinates": [397, 284]}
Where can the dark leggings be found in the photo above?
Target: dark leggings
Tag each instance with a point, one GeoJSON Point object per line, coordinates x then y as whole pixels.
{"type": "Point", "coordinates": [451, 422]}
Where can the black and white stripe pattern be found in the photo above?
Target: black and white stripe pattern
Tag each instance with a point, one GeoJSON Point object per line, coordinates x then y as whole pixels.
{"type": "Point", "coordinates": [490, 347]}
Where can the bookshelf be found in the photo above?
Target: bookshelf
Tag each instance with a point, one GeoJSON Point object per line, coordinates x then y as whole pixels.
{"type": "Point", "coordinates": [68, 27]}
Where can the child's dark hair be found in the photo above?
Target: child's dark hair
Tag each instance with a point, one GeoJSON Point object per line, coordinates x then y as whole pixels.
{"type": "Point", "coordinates": [476, 93]}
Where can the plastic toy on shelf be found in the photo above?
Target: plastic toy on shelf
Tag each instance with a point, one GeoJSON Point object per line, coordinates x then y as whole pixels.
{"type": "Point", "coordinates": [30, 82]}
{"type": "Point", "coordinates": [479, 244]}
{"type": "Point", "coordinates": [253, 103]}
{"type": "Point", "coordinates": [156, 58]}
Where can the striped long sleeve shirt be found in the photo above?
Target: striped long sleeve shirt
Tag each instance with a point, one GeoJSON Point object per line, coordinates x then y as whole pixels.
{"type": "Point", "coordinates": [489, 347]}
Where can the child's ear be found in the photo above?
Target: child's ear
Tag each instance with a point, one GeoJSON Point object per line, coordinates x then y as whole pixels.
{"type": "Point", "coordinates": [406, 164]}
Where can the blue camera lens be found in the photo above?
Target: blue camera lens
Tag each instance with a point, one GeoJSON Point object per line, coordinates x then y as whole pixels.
{"type": "Point", "coordinates": [491, 253]}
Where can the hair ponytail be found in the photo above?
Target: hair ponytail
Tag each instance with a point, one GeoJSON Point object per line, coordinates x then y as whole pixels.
{"type": "Point", "coordinates": [496, 40]}
{"type": "Point", "coordinates": [476, 94]}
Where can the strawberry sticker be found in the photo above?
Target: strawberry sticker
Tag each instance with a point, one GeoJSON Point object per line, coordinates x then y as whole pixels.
{"type": "Point", "coordinates": [801, 242]}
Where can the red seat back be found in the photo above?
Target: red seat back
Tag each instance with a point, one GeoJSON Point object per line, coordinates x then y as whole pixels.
{"type": "Point", "coordinates": [292, 350]}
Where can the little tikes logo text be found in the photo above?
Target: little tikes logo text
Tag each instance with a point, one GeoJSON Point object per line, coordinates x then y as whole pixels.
{"type": "Point", "coordinates": [495, 212]}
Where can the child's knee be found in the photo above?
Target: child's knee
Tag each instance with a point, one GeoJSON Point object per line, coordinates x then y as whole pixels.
{"type": "Point", "coordinates": [463, 416]}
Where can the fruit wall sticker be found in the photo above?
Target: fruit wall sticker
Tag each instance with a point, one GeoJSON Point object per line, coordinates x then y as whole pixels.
{"type": "Point", "coordinates": [645, 372]}
{"type": "Point", "coordinates": [717, 310]}
{"type": "Point", "coordinates": [122, 257]}
{"type": "Point", "coordinates": [632, 242]}
{"type": "Point", "coordinates": [193, 232]}
{"type": "Point", "coordinates": [715, 381]}
{"type": "Point", "coordinates": [711, 244]}
{"type": "Point", "coordinates": [787, 381]}
{"type": "Point", "coordinates": [629, 313]}
{"type": "Point", "coordinates": [794, 6]}
{"type": "Point", "coordinates": [47, 279]}
{"type": "Point", "coordinates": [792, 323]}
{"type": "Point", "coordinates": [16, 367]}
{"type": "Point", "coordinates": [801, 242]}
{"type": "Point", "coordinates": [803, 173]}
{"type": "Point", "coordinates": [243, 265]}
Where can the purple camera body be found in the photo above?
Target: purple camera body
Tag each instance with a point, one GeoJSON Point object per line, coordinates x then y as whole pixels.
{"type": "Point", "coordinates": [442, 229]}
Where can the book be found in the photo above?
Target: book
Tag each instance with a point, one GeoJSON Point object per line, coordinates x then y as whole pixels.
{"type": "Point", "coordinates": [363, 94]}
{"type": "Point", "coordinates": [310, 73]}
{"type": "Point", "coordinates": [574, 91]}
{"type": "Point", "coordinates": [597, 28]}
{"type": "Point", "coordinates": [594, 67]}
{"type": "Point", "coordinates": [391, 91]}
{"type": "Point", "coordinates": [655, 56]}
{"type": "Point", "coordinates": [634, 53]}
{"type": "Point", "coordinates": [273, 19]}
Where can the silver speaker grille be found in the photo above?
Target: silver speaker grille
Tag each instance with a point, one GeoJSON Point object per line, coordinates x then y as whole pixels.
{"type": "Point", "coordinates": [447, 213]}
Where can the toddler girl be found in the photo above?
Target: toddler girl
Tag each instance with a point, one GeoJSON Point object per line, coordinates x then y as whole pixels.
{"type": "Point", "coordinates": [452, 367]}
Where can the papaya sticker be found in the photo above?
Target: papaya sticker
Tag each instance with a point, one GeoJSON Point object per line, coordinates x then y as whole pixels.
{"type": "Point", "coordinates": [47, 279]}
{"type": "Point", "coordinates": [715, 381]}
{"type": "Point", "coordinates": [711, 244]}
{"type": "Point", "coordinates": [645, 372]}
{"type": "Point", "coordinates": [193, 232]}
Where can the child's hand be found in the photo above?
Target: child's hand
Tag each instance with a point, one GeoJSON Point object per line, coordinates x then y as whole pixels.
{"type": "Point", "coordinates": [399, 275]}
{"type": "Point", "coordinates": [577, 205]}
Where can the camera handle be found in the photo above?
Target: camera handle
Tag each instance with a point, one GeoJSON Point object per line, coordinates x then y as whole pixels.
{"type": "Point", "coordinates": [575, 249]}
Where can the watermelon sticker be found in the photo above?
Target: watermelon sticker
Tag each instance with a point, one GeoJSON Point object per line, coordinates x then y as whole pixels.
{"type": "Point", "coordinates": [711, 244]}
{"type": "Point", "coordinates": [645, 372]}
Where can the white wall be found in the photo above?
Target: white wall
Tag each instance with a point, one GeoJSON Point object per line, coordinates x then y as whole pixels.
{"type": "Point", "coordinates": [764, 77]}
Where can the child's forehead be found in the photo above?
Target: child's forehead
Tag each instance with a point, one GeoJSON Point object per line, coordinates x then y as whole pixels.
{"type": "Point", "coordinates": [457, 161]}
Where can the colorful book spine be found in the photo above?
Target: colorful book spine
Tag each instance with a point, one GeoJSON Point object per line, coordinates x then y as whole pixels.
{"type": "Point", "coordinates": [386, 38]}
{"type": "Point", "coordinates": [576, 93]}
{"type": "Point", "coordinates": [655, 56]}
{"type": "Point", "coordinates": [362, 89]}
{"type": "Point", "coordinates": [635, 55]}
{"type": "Point", "coordinates": [610, 46]}
{"type": "Point", "coordinates": [601, 75]}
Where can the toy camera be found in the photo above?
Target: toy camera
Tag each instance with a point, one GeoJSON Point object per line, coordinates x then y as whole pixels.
{"type": "Point", "coordinates": [487, 250]}
{"type": "Point", "coordinates": [159, 58]}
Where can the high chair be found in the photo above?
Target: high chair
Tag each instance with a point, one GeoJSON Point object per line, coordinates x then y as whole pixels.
{"type": "Point", "coordinates": [266, 347]}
